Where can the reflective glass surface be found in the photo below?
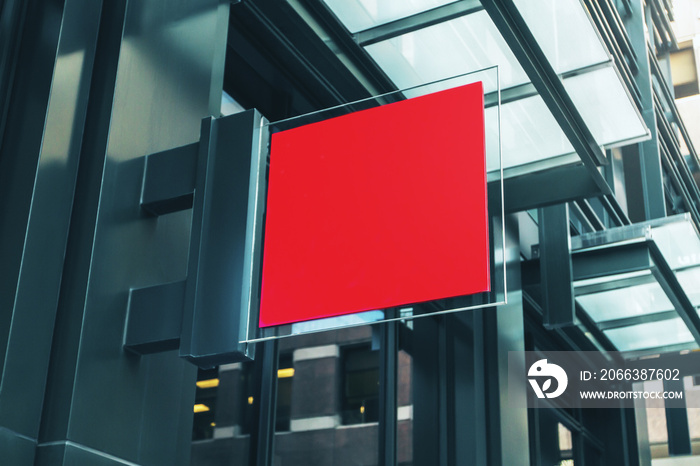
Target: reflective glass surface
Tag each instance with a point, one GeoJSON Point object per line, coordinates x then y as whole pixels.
{"type": "Point", "coordinates": [620, 303]}
{"type": "Point", "coordinates": [358, 15]}
{"type": "Point", "coordinates": [565, 33]}
{"type": "Point", "coordinates": [529, 130]}
{"type": "Point", "coordinates": [531, 135]}
{"type": "Point", "coordinates": [332, 394]}
{"type": "Point", "coordinates": [605, 107]}
{"type": "Point", "coordinates": [650, 335]}
{"type": "Point", "coordinates": [679, 243]}
{"type": "Point", "coordinates": [690, 281]}
{"type": "Point", "coordinates": [639, 293]}
{"type": "Point", "coordinates": [447, 49]}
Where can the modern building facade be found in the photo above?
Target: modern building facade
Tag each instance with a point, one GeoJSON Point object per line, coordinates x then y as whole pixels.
{"type": "Point", "coordinates": [602, 210]}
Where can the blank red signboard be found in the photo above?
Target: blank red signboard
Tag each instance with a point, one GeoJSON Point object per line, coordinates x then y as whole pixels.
{"type": "Point", "coordinates": [375, 209]}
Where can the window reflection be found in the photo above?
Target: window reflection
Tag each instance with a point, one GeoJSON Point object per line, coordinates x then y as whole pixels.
{"type": "Point", "coordinates": [205, 404]}
{"type": "Point", "coordinates": [360, 385]}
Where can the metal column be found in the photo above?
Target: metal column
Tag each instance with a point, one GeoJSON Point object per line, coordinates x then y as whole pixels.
{"type": "Point", "coordinates": [150, 88]}
{"type": "Point", "coordinates": [643, 173]}
{"type": "Point", "coordinates": [47, 53]}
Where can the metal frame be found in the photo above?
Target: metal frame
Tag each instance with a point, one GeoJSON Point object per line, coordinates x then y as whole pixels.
{"type": "Point", "coordinates": [417, 21]}
{"type": "Point", "coordinates": [677, 421]}
{"type": "Point", "coordinates": [555, 267]}
{"type": "Point", "coordinates": [522, 43]}
{"type": "Point", "coordinates": [630, 257]}
{"type": "Point", "coordinates": [222, 178]}
{"type": "Point", "coordinates": [96, 226]}
{"type": "Point", "coordinates": [388, 387]}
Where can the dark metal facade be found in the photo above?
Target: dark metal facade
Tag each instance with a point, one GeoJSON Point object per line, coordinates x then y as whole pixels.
{"type": "Point", "coordinates": [89, 369]}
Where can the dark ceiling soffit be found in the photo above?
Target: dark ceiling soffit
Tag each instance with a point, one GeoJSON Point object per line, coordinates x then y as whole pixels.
{"type": "Point", "coordinates": [275, 35]}
{"type": "Point", "coordinates": [341, 39]}
{"type": "Point", "coordinates": [531, 57]}
{"type": "Point", "coordinates": [267, 35]}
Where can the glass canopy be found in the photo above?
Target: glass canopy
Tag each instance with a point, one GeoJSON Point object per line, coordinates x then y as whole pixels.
{"type": "Point", "coordinates": [420, 41]}
{"type": "Point", "coordinates": [638, 285]}
{"type": "Point", "coordinates": [364, 14]}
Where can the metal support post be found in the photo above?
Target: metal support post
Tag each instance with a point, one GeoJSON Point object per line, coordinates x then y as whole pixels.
{"type": "Point", "coordinates": [556, 274]}
{"type": "Point", "coordinates": [677, 420]}
{"type": "Point", "coordinates": [388, 365]}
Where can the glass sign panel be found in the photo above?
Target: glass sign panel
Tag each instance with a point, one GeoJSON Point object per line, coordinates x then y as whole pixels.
{"type": "Point", "coordinates": [381, 204]}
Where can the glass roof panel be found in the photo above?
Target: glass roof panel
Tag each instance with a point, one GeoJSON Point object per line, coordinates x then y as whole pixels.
{"type": "Point", "coordinates": [679, 243]}
{"type": "Point", "coordinates": [621, 303]}
{"type": "Point", "coordinates": [358, 15]}
{"type": "Point", "coordinates": [690, 281]}
{"type": "Point", "coordinates": [605, 107]}
{"type": "Point", "coordinates": [650, 335]}
{"type": "Point", "coordinates": [465, 44]}
{"type": "Point", "coordinates": [565, 33]}
{"type": "Point", "coordinates": [530, 133]}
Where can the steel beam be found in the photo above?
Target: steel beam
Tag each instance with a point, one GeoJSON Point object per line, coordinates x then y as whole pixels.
{"type": "Point", "coordinates": [677, 420]}
{"type": "Point", "coordinates": [262, 439]}
{"type": "Point", "coordinates": [644, 177]}
{"type": "Point", "coordinates": [673, 289]}
{"type": "Point", "coordinates": [555, 267]}
{"type": "Point", "coordinates": [611, 261]}
{"type": "Point", "coordinates": [548, 187]}
{"type": "Point", "coordinates": [388, 389]}
{"type": "Point", "coordinates": [417, 21]}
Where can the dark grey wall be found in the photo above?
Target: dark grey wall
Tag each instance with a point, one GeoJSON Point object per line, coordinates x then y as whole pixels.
{"type": "Point", "coordinates": [96, 87]}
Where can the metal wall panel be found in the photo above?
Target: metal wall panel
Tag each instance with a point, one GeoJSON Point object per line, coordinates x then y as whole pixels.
{"type": "Point", "coordinates": [38, 167]}
{"type": "Point", "coordinates": [100, 398]}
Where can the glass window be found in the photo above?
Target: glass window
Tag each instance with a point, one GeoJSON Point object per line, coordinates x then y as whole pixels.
{"type": "Point", "coordinates": [205, 404]}
{"type": "Point", "coordinates": [650, 335]}
{"type": "Point", "coordinates": [656, 421]}
{"type": "Point", "coordinates": [223, 431]}
{"type": "Point", "coordinates": [404, 413]}
{"type": "Point", "coordinates": [531, 135]}
{"type": "Point", "coordinates": [312, 381]}
{"type": "Point", "coordinates": [565, 33]}
{"type": "Point", "coordinates": [684, 73]}
{"type": "Point", "coordinates": [608, 112]}
{"type": "Point", "coordinates": [285, 379]}
{"type": "Point", "coordinates": [566, 445]}
{"type": "Point", "coordinates": [631, 301]}
{"type": "Point", "coordinates": [360, 394]}
{"type": "Point", "coordinates": [692, 401]}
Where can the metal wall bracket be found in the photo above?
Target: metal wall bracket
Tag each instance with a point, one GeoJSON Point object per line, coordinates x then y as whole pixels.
{"type": "Point", "coordinates": [169, 179]}
{"type": "Point", "coordinates": [222, 178]}
{"type": "Point", "coordinates": [154, 322]}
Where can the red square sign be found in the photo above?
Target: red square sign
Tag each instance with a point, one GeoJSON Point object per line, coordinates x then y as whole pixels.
{"type": "Point", "coordinates": [378, 208]}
